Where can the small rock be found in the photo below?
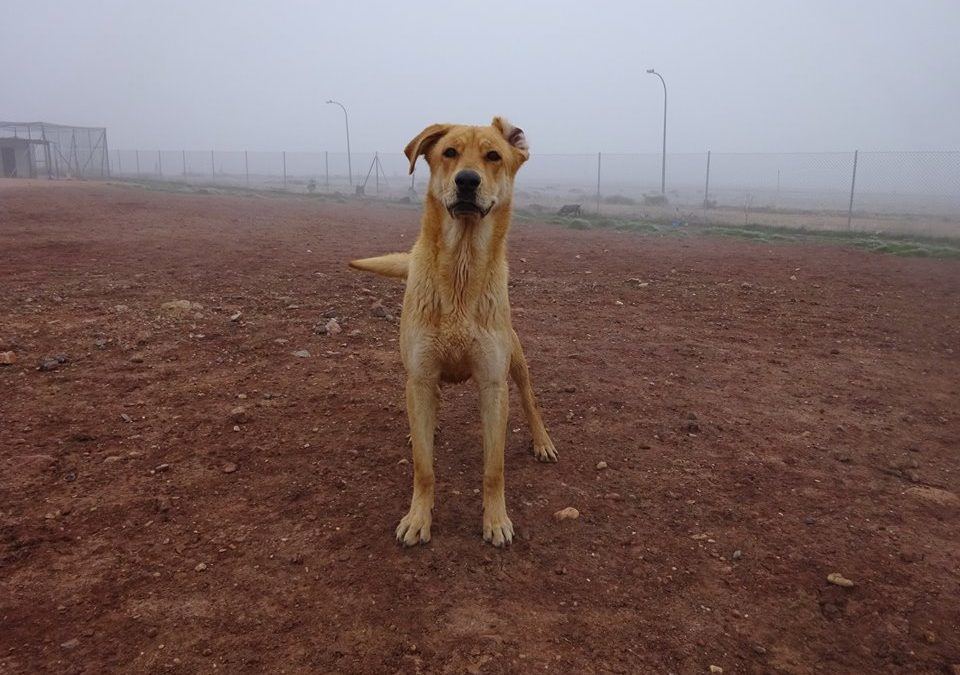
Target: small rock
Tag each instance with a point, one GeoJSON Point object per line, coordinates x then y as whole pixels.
{"type": "Point", "coordinates": [601, 465]}
{"type": "Point", "coordinates": [136, 358]}
{"type": "Point", "coordinates": [7, 358]}
{"type": "Point", "coordinates": [160, 468]}
{"type": "Point", "coordinates": [70, 644]}
{"type": "Point", "coordinates": [737, 554]}
{"type": "Point", "coordinates": [332, 327]}
{"type": "Point", "coordinates": [838, 579]}
{"type": "Point", "coordinates": [239, 415]}
{"type": "Point", "coordinates": [301, 354]}
{"type": "Point", "coordinates": [809, 520]}
{"type": "Point", "coordinates": [568, 513]}
{"type": "Point", "coordinates": [229, 467]}
{"type": "Point", "coordinates": [110, 459]}
{"type": "Point", "coordinates": [759, 650]}
{"type": "Point", "coordinates": [404, 461]}
{"type": "Point", "coordinates": [746, 285]}
{"type": "Point", "coordinates": [570, 389]}
{"type": "Point", "coordinates": [716, 669]}
{"type": "Point", "coordinates": [53, 362]}
{"type": "Point", "coordinates": [911, 556]}
{"type": "Point", "coordinates": [126, 418]}
{"type": "Point", "coordinates": [612, 496]}
{"type": "Point", "coordinates": [379, 310]}
{"type": "Point", "coordinates": [635, 283]}
{"type": "Point", "coordinates": [842, 457]}
{"type": "Point", "coordinates": [180, 307]}
{"type": "Point", "coordinates": [236, 316]}
{"type": "Point", "coordinates": [200, 567]}
{"type": "Point", "coordinates": [120, 308]}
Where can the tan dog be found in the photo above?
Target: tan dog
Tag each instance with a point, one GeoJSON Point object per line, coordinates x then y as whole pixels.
{"type": "Point", "coordinates": [456, 313]}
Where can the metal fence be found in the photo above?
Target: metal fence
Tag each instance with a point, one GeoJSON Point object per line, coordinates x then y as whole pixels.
{"type": "Point", "coordinates": [915, 192]}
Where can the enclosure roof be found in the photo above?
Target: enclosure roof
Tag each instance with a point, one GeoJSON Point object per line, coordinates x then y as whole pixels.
{"type": "Point", "coordinates": [48, 125]}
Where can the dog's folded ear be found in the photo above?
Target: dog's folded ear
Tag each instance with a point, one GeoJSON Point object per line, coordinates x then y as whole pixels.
{"type": "Point", "coordinates": [514, 136]}
{"type": "Point", "coordinates": [424, 141]}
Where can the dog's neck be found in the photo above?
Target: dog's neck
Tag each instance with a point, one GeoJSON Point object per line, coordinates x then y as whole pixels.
{"type": "Point", "coordinates": [471, 252]}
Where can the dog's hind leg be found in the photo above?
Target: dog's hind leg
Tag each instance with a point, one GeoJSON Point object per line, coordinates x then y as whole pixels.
{"type": "Point", "coordinates": [422, 400]}
{"type": "Point", "coordinates": [543, 448]}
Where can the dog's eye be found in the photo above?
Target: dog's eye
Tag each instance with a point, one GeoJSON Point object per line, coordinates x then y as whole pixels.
{"type": "Point", "coordinates": [450, 152]}
{"type": "Point", "coordinates": [493, 156]}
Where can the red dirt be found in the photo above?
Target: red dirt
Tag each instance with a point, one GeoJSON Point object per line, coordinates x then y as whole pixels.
{"type": "Point", "coordinates": [798, 404]}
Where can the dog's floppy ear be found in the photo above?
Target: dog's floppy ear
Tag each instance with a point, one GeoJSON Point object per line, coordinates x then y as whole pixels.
{"type": "Point", "coordinates": [423, 142]}
{"type": "Point", "coordinates": [514, 136]}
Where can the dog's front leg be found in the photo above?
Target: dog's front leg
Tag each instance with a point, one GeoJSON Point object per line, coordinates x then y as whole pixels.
{"type": "Point", "coordinates": [422, 398]}
{"type": "Point", "coordinates": [494, 409]}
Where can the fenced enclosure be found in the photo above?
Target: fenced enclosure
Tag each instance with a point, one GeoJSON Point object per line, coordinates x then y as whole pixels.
{"type": "Point", "coordinates": [35, 149]}
{"type": "Point", "coordinates": [916, 192]}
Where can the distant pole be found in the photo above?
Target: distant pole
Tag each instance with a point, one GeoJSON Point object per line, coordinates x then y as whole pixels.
{"type": "Point", "coordinates": [346, 122]}
{"type": "Point", "coordinates": [598, 183]}
{"type": "Point", "coordinates": [663, 164]}
{"type": "Point", "coordinates": [284, 169]}
{"type": "Point", "coordinates": [213, 167]}
{"type": "Point", "coordinates": [119, 166]}
{"type": "Point", "coordinates": [853, 184]}
{"type": "Point", "coordinates": [183, 156]}
{"type": "Point", "coordinates": [159, 164]}
{"type": "Point", "coordinates": [246, 167]}
{"type": "Point", "coordinates": [706, 188]}
{"type": "Point", "coordinates": [376, 158]}
{"type": "Point", "coordinates": [138, 163]}
{"type": "Point", "coordinates": [326, 164]}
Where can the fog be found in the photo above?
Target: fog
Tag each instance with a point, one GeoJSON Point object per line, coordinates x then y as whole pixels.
{"type": "Point", "coordinates": [748, 76]}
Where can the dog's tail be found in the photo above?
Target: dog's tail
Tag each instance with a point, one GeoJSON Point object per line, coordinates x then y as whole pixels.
{"type": "Point", "coordinates": [390, 265]}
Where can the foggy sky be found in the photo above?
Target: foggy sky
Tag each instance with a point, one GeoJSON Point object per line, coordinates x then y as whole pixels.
{"type": "Point", "coordinates": [747, 75]}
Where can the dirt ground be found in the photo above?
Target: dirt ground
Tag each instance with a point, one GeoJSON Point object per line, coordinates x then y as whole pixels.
{"type": "Point", "coordinates": [768, 415]}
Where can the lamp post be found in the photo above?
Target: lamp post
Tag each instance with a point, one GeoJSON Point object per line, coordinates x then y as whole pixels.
{"type": "Point", "coordinates": [346, 121]}
{"type": "Point", "coordinates": [663, 164]}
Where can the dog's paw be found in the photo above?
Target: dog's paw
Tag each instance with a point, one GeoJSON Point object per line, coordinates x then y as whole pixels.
{"type": "Point", "coordinates": [545, 452]}
{"type": "Point", "coordinates": [414, 528]}
{"type": "Point", "coordinates": [498, 530]}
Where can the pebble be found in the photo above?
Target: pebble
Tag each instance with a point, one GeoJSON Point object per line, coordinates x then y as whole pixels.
{"type": "Point", "coordinates": [404, 461]}
{"type": "Point", "coordinates": [601, 465]}
{"type": "Point", "coordinates": [136, 358]}
{"type": "Point", "coordinates": [7, 358]}
{"type": "Point", "coordinates": [236, 316]}
{"type": "Point", "coordinates": [759, 649]}
{"type": "Point", "coordinates": [838, 579]}
{"type": "Point", "coordinates": [200, 567]}
{"type": "Point", "coordinates": [332, 327]}
{"type": "Point", "coordinates": [716, 669]}
{"type": "Point", "coordinates": [53, 362]}
{"type": "Point", "coordinates": [160, 468]}
{"type": "Point", "coordinates": [570, 389]}
{"type": "Point", "coordinates": [302, 354]}
{"type": "Point", "coordinates": [229, 467]}
{"type": "Point", "coordinates": [635, 283]}
{"type": "Point", "coordinates": [737, 554]}
{"type": "Point", "coordinates": [70, 644]}
{"type": "Point", "coordinates": [568, 513]}
{"type": "Point", "coordinates": [379, 310]}
{"type": "Point", "coordinates": [239, 415]}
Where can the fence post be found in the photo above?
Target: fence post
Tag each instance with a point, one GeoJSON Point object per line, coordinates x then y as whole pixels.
{"type": "Point", "coordinates": [159, 164]}
{"type": "Point", "coordinates": [598, 183]}
{"type": "Point", "coordinates": [213, 168]}
{"type": "Point", "coordinates": [326, 163]}
{"type": "Point", "coordinates": [183, 156]}
{"type": "Point", "coordinates": [706, 190]}
{"type": "Point", "coordinates": [119, 166]}
{"type": "Point", "coordinates": [284, 169]}
{"type": "Point", "coordinates": [246, 168]}
{"type": "Point", "coordinates": [138, 163]}
{"type": "Point", "coordinates": [853, 184]}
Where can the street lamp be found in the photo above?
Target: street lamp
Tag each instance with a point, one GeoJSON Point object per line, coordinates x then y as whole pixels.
{"type": "Point", "coordinates": [346, 122]}
{"type": "Point", "coordinates": [663, 164]}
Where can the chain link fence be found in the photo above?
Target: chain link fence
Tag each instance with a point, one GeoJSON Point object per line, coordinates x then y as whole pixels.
{"type": "Point", "coordinates": [907, 192]}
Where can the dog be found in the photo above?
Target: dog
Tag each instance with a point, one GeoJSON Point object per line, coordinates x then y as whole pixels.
{"type": "Point", "coordinates": [569, 210]}
{"type": "Point", "coordinates": [455, 324]}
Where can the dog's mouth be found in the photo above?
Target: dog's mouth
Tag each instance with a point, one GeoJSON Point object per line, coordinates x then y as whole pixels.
{"type": "Point", "coordinates": [465, 208]}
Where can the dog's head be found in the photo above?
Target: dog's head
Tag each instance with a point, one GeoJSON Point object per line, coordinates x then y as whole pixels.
{"type": "Point", "coordinates": [471, 168]}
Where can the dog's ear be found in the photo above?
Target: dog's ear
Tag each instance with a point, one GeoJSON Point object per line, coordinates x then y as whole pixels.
{"type": "Point", "coordinates": [514, 136]}
{"type": "Point", "coordinates": [424, 141]}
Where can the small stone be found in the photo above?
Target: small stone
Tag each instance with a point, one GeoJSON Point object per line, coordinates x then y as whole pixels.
{"type": "Point", "coordinates": [568, 513]}
{"type": "Point", "coordinates": [70, 644]}
{"type": "Point", "coordinates": [160, 468]}
{"type": "Point", "coordinates": [332, 327]}
{"type": "Point", "coordinates": [302, 354]}
{"type": "Point", "coordinates": [746, 285]}
{"type": "Point", "coordinates": [570, 389]}
{"type": "Point", "coordinates": [239, 415]}
{"type": "Point", "coordinates": [200, 567]}
{"type": "Point", "coordinates": [635, 283]}
{"type": "Point", "coordinates": [236, 316]}
{"type": "Point", "coordinates": [842, 456]}
{"type": "Point", "coordinates": [7, 358]}
{"type": "Point", "coordinates": [229, 467]}
{"type": "Point", "coordinates": [126, 418]}
{"type": "Point", "coordinates": [136, 358]}
{"type": "Point", "coordinates": [379, 310]}
{"type": "Point", "coordinates": [911, 556]}
{"type": "Point", "coordinates": [759, 650]}
{"type": "Point", "coordinates": [838, 579]}
{"type": "Point", "coordinates": [51, 363]}
{"type": "Point", "coordinates": [809, 520]}
{"type": "Point", "coordinates": [404, 461]}
{"type": "Point", "coordinates": [110, 459]}
{"type": "Point", "coordinates": [612, 496]}
{"type": "Point", "coordinates": [601, 465]}
{"type": "Point", "coordinates": [737, 554]}
{"type": "Point", "coordinates": [716, 669]}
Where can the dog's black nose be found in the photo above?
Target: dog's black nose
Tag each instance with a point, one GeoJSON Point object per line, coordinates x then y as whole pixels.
{"type": "Point", "coordinates": [467, 180]}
